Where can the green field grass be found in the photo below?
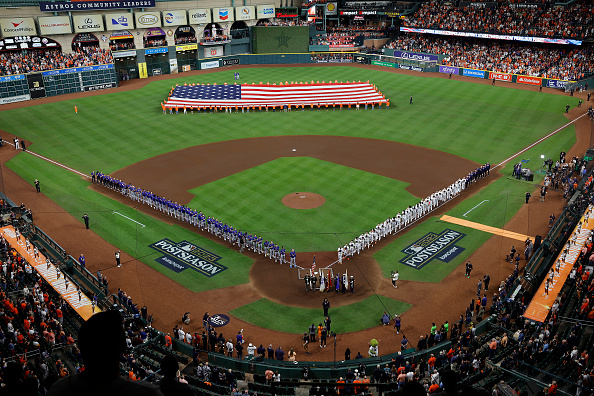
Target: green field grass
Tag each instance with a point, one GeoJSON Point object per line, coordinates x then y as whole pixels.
{"type": "Point", "coordinates": [251, 200]}
{"type": "Point", "coordinates": [346, 319]}
{"type": "Point", "coordinates": [111, 131]}
{"type": "Point", "coordinates": [71, 192]}
{"type": "Point", "coordinates": [497, 204]}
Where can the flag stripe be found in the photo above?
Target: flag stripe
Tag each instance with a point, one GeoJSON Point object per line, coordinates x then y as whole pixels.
{"type": "Point", "coordinates": [274, 95]}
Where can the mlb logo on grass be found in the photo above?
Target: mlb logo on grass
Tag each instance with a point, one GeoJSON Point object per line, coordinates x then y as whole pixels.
{"type": "Point", "coordinates": [433, 246]}
{"type": "Point", "coordinates": [185, 255]}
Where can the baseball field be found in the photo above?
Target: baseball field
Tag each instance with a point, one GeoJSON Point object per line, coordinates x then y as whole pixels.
{"type": "Point", "coordinates": [367, 165]}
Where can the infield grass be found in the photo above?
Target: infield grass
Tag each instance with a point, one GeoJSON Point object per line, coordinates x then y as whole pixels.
{"type": "Point", "coordinates": [345, 319]}
{"type": "Point", "coordinates": [251, 200]}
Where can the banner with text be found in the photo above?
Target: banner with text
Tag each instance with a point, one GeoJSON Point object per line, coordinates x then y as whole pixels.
{"type": "Point", "coordinates": [175, 18]}
{"type": "Point", "coordinates": [88, 23]}
{"type": "Point", "coordinates": [12, 27]}
{"type": "Point", "coordinates": [500, 76]}
{"type": "Point", "coordinates": [199, 16]}
{"type": "Point", "coordinates": [417, 56]}
{"type": "Point", "coordinates": [473, 73]}
{"type": "Point", "coordinates": [449, 70]}
{"type": "Point", "coordinates": [211, 52]}
{"type": "Point", "coordinates": [529, 80]}
{"type": "Point", "coordinates": [58, 6]}
{"type": "Point", "coordinates": [265, 11]}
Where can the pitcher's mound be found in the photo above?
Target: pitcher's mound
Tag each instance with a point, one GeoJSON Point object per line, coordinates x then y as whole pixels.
{"type": "Point", "coordinates": [303, 200]}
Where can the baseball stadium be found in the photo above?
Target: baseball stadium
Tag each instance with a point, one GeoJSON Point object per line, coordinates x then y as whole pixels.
{"type": "Point", "coordinates": [352, 197]}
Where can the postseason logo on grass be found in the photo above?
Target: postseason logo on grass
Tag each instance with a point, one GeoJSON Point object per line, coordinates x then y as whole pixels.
{"type": "Point", "coordinates": [433, 246]}
{"type": "Point", "coordinates": [183, 255]}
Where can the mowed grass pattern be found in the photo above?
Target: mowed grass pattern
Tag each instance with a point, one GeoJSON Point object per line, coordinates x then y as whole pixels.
{"type": "Point", "coordinates": [474, 121]}
{"type": "Point", "coordinates": [358, 316]}
{"type": "Point", "coordinates": [355, 202]}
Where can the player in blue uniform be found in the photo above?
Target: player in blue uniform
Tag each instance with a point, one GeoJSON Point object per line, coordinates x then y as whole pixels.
{"type": "Point", "coordinates": [293, 258]}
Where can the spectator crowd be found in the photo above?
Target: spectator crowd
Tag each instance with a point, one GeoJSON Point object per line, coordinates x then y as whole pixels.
{"type": "Point", "coordinates": [20, 62]}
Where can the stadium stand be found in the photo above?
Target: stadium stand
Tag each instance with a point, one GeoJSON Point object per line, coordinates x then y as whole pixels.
{"type": "Point", "coordinates": [19, 62]}
{"type": "Point", "coordinates": [546, 20]}
{"type": "Point", "coordinates": [568, 63]}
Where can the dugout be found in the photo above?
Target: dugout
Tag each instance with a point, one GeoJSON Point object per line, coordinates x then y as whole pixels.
{"type": "Point", "coordinates": [157, 61]}
{"type": "Point", "coordinates": [125, 64]}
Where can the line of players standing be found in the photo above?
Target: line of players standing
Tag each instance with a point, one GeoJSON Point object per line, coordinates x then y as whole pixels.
{"type": "Point", "coordinates": [329, 284]}
{"type": "Point", "coordinates": [242, 239]}
{"type": "Point", "coordinates": [411, 214]}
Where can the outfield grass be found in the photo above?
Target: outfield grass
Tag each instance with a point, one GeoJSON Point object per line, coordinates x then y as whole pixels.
{"type": "Point", "coordinates": [346, 319]}
{"type": "Point", "coordinates": [111, 131]}
{"type": "Point", "coordinates": [72, 193]}
{"type": "Point", "coordinates": [250, 201]}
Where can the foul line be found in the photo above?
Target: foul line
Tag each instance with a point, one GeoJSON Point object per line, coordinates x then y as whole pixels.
{"type": "Point", "coordinates": [52, 161]}
{"type": "Point", "coordinates": [538, 141]}
{"type": "Point", "coordinates": [486, 228]}
{"type": "Point", "coordinates": [129, 218]}
{"type": "Point", "coordinates": [464, 215]}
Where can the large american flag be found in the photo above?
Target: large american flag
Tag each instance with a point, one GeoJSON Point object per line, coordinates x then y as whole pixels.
{"type": "Point", "coordinates": [294, 94]}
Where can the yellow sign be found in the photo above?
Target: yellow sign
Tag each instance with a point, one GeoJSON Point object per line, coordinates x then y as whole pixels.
{"type": "Point", "coordinates": [142, 73]}
{"type": "Point", "coordinates": [80, 303]}
{"type": "Point", "coordinates": [187, 47]}
{"type": "Point", "coordinates": [392, 14]}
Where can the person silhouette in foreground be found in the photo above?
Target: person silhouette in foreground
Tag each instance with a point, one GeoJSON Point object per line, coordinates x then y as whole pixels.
{"type": "Point", "coordinates": [102, 342]}
{"type": "Point", "coordinates": [170, 384]}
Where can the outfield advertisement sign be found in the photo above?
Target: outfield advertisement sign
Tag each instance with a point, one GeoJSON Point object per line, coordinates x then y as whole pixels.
{"type": "Point", "coordinates": [473, 73]}
{"type": "Point", "coordinates": [529, 80]}
{"type": "Point", "coordinates": [12, 78]}
{"type": "Point", "coordinates": [36, 85]}
{"type": "Point", "coordinates": [560, 84]}
{"type": "Point", "coordinates": [13, 27]}
{"type": "Point", "coordinates": [77, 70]}
{"type": "Point", "coordinates": [431, 247]}
{"type": "Point", "coordinates": [408, 67]}
{"type": "Point", "coordinates": [185, 255]}
{"type": "Point", "coordinates": [500, 76]}
{"type": "Point", "coordinates": [97, 87]}
{"type": "Point", "coordinates": [209, 65]}
{"type": "Point", "coordinates": [14, 99]}
{"type": "Point", "coordinates": [417, 56]}
{"type": "Point", "coordinates": [449, 70]}
{"type": "Point", "coordinates": [383, 63]}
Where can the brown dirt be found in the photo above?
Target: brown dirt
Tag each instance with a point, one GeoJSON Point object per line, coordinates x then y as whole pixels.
{"type": "Point", "coordinates": [437, 303]}
{"type": "Point", "coordinates": [303, 200]}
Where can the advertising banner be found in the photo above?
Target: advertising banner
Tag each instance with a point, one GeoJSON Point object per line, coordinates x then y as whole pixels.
{"type": "Point", "coordinates": [175, 18]}
{"type": "Point", "coordinates": [529, 80]}
{"type": "Point", "coordinates": [142, 72]}
{"type": "Point", "coordinates": [12, 78]}
{"type": "Point", "coordinates": [81, 304]}
{"type": "Point", "coordinates": [199, 16]}
{"type": "Point", "coordinates": [54, 25]}
{"type": "Point", "coordinates": [473, 73]}
{"type": "Point", "coordinates": [152, 51]}
{"type": "Point", "coordinates": [36, 85]}
{"type": "Point", "coordinates": [449, 69]}
{"type": "Point", "coordinates": [408, 67]}
{"type": "Point", "coordinates": [123, 54]}
{"type": "Point", "coordinates": [265, 11]}
{"type": "Point", "coordinates": [77, 70]}
{"type": "Point", "coordinates": [545, 40]}
{"type": "Point", "coordinates": [383, 63]}
{"type": "Point", "coordinates": [211, 52]}
{"type": "Point", "coordinates": [14, 99]}
{"type": "Point", "coordinates": [209, 65]}
{"type": "Point", "coordinates": [173, 68]}
{"type": "Point", "coordinates": [119, 21]}
{"type": "Point", "coordinates": [12, 27]}
{"type": "Point", "coordinates": [500, 76]}
{"type": "Point", "coordinates": [245, 13]}
{"type": "Point", "coordinates": [560, 84]}
{"type": "Point", "coordinates": [361, 59]}
{"type": "Point", "coordinates": [147, 19]}
{"type": "Point", "coordinates": [97, 87]}
{"type": "Point", "coordinates": [416, 56]}
{"type": "Point", "coordinates": [88, 23]}
{"type": "Point", "coordinates": [187, 47]}
{"type": "Point", "coordinates": [230, 61]}
{"type": "Point", "coordinates": [57, 6]}
{"type": "Point", "coordinates": [331, 8]}
{"type": "Point", "coordinates": [222, 14]}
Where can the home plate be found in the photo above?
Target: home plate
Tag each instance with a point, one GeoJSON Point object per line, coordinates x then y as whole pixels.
{"type": "Point", "coordinates": [303, 196]}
